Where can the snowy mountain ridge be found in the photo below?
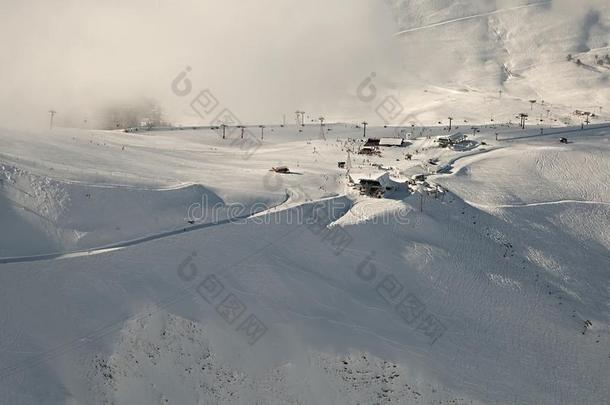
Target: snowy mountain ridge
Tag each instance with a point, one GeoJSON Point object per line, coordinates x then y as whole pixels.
{"type": "Point", "coordinates": [484, 60]}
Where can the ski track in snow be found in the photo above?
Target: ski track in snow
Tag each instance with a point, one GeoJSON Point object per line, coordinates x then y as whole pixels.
{"type": "Point", "coordinates": [441, 23]}
{"type": "Point", "coordinates": [133, 242]}
{"type": "Point", "coordinates": [536, 204]}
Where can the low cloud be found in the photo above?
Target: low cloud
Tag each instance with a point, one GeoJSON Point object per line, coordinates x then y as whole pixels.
{"type": "Point", "coordinates": [263, 58]}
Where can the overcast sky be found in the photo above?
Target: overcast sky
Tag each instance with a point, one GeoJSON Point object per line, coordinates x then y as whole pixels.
{"type": "Point", "coordinates": [260, 58]}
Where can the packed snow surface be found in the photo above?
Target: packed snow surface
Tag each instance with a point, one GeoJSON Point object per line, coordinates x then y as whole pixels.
{"type": "Point", "coordinates": [175, 268]}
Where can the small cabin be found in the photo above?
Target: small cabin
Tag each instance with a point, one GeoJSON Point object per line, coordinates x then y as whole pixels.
{"type": "Point", "coordinates": [368, 151]}
{"type": "Point", "coordinates": [450, 140]}
{"type": "Point", "coordinates": [417, 179]}
{"type": "Point", "coordinates": [281, 169]}
{"type": "Point", "coordinates": [373, 185]}
{"type": "Point", "coordinates": [372, 142]}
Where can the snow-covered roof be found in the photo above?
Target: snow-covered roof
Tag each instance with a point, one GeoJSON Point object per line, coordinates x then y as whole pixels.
{"type": "Point", "coordinates": [458, 136]}
{"type": "Point", "coordinates": [382, 177]}
{"type": "Point", "coordinates": [390, 142]}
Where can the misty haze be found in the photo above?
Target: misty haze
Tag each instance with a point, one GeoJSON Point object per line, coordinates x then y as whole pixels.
{"type": "Point", "coordinates": [321, 202]}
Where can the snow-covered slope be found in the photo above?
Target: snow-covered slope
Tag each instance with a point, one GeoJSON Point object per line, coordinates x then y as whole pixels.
{"type": "Point", "coordinates": [479, 60]}
{"type": "Point", "coordinates": [52, 216]}
{"type": "Point", "coordinates": [510, 262]}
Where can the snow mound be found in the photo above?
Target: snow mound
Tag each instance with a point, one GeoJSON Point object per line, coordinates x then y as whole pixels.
{"type": "Point", "coordinates": [44, 215]}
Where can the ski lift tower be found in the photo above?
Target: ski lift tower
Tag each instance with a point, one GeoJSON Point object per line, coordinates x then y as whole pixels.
{"type": "Point", "coordinates": [298, 117]}
{"type": "Point", "coordinates": [52, 114]}
{"type": "Point", "coordinates": [322, 135]}
{"type": "Point", "coordinates": [348, 163]}
{"type": "Point", "coordinates": [523, 117]}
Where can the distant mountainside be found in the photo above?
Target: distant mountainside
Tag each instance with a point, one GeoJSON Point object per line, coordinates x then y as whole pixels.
{"type": "Point", "coordinates": [483, 60]}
